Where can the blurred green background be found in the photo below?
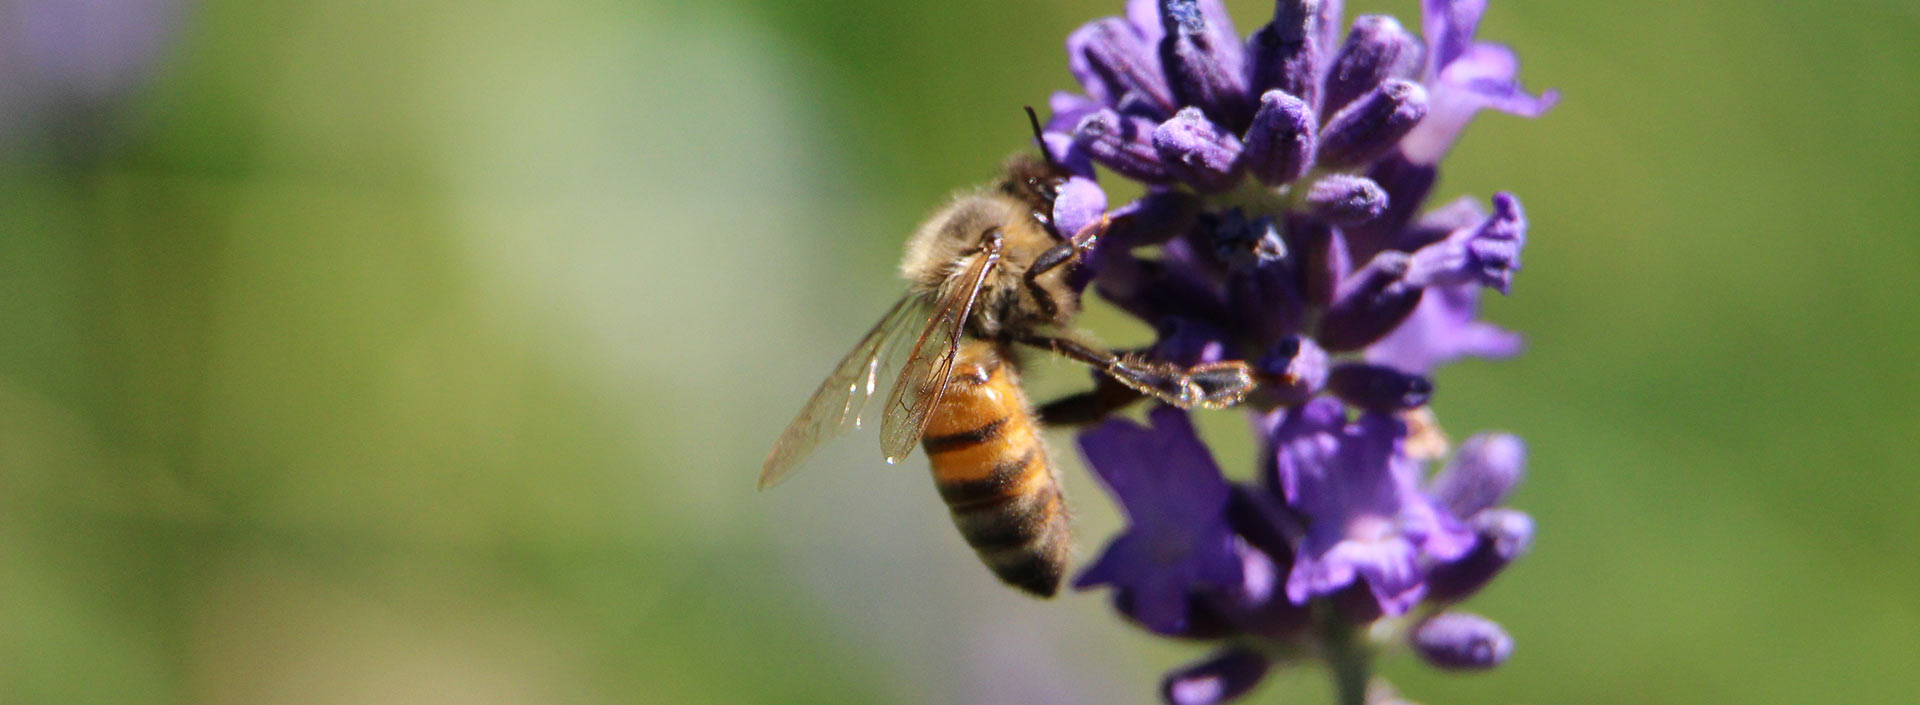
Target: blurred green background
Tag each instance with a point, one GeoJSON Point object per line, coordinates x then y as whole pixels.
{"type": "Point", "coordinates": [425, 352]}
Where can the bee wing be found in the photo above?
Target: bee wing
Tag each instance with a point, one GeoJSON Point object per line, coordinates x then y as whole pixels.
{"type": "Point", "coordinates": [924, 377]}
{"type": "Point", "coordinates": [835, 407]}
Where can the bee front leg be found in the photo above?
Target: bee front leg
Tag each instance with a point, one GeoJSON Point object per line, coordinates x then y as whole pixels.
{"type": "Point", "coordinates": [1067, 252]}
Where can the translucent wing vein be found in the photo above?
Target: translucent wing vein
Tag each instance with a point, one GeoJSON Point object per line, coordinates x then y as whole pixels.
{"type": "Point", "coordinates": [923, 379]}
{"type": "Point", "coordinates": [835, 407]}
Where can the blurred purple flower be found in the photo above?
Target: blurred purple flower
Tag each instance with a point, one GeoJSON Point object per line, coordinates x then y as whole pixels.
{"type": "Point", "coordinates": [84, 50]}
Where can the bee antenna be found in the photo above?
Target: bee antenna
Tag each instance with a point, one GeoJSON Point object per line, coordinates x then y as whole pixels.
{"type": "Point", "coordinates": [1039, 139]}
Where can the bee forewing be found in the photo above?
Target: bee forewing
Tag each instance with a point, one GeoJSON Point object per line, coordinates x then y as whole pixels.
{"type": "Point", "coordinates": [835, 407]}
{"type": "Point", "coordinates": [923, 378]}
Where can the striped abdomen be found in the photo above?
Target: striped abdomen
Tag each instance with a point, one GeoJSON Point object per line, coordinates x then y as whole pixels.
{"type": "Point", "coordinates": [992, 470]}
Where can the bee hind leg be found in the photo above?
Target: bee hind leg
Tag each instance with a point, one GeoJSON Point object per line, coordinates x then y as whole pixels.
{"type": "Point", "coordinates": [1107, 396]}
{"type": "Point", "coordinates": [1212, 385]}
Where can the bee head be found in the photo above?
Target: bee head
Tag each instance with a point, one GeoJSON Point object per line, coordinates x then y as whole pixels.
{"type": "Point", "coordinates": [1034, 179]}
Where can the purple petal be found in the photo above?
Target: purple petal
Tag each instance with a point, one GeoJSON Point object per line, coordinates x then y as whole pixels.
{"type": "Point", "coordinates": [1488, 253]}
{"type": "Point", "coordinates": [1441, 329]}
{"type": "Point", "coordinates": [1110, 59]}
{"type": "Point", "coordinates": [1144, 15]}
{"type": "Point", "coordinates": [1199, 152]}
{"type": "Point", "coordinates": [1501, 536]}
{"type": "Point", "coordinates": [1365, 517]}
{"type": "Point", "coordinates": [1280, 142]}
{"type": "Point", "coordinates": [1222, 676]}
{"type": "Point", "coordinates": [1304, 441]}
{"type": "Point", "coordinates": [1080, 202]}
{"type": "Point", "coordinates": [1177, 538]}
{"type": "Point", "coordinates": [1435, 225]}
{"type": "Point", "coordinates": [1376, 50]}
{"type": "Point", "coordinates": [1376, 388]}
{"type": "Point", "coordinates": [1370, 127]}
{"type": "Point", "coordinates": [1344, 199]}
{"type": "Point", "coordinates": [1485, 76]}
{"type": "Point", "coordinates": [1485, 469]}
{"type": "Point", "coordinates": [1065, 110]}
{"type": "Point", "coordinates": [1449, 26]}
{"type": "Point", "coordinates": [1123, 143]}
{"type": "Point", "coordinates": [1462, 642]}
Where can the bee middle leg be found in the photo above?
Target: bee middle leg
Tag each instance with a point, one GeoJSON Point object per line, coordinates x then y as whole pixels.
{"type": "Point", "coordinates": [1211, 385]}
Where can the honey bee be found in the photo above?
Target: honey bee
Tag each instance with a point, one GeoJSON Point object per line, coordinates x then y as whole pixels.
{"type": "Point", "coordinates": [986, 273]}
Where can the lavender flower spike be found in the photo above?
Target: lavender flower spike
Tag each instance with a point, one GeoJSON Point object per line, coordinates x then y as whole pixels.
{"type": "Point", "coordinates": [1331, 278]}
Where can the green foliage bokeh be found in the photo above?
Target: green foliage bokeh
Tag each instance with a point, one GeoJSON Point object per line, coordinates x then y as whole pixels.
{"type": "Point", "coordinates": [426, 352]}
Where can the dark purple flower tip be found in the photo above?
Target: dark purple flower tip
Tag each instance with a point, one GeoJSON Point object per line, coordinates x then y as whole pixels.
{"type": "Point", "coordinates": [1286, 54]}
{"type": "Point", "coordinates": [1199, 152]}
{"type": "Point", "coordinates": [1370, 305]}
{"type": "Point", "coordinates": [1501, 536]}
{"type": "Point", "coordinates": [1177, 538]}
{"type": "Point", "coordinates": [1079, 203]}
{"type": "Point", "coordinates": [1376, 50]}
{"type": "Point", "coordinates": [1296, 369]}
{"type": "Point", "coordinates": [1458, 641]}
{"type": "Point", "coordinates": [1487, 254]}
{"type": "Point", "coordinates": [1344, 199]}
{"type": "Point", "coordinates": [1407, 185]}
{"type": "Point", "coordinates": [1280, 142]}
{"type": "Point", "coordinates": [1486, 468]}
{"type": "Point", "coordinates": [1203, 61]}
{"type": "Point", "coordinates": [1222, 676]}
{"type": "Point", "coordinates": [1372, 124]}
{"type": "Point", "coordinates": [1320, 259]}
{"type": "Point", "coordinates": [1265, 299]}
{"type": "Point", "coordinates": [1123, 143]}
{"type": "Point", "coordinates": [1376, 388]}
{"type": "Point", "coordinates": [1111, 58]}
